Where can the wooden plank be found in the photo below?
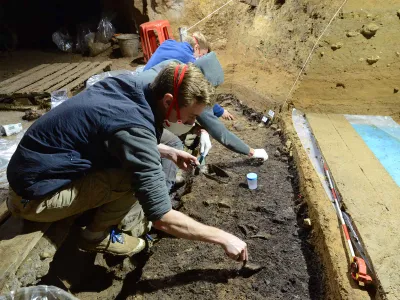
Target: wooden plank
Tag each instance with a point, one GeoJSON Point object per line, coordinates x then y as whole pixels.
{"type": "Point", "coordinates": [24, 82]}
{"type": "Point", "coordinates": [4, 83]}
{"type": "Point", "coordinates": [17, 239]}
{"type": "Point", "coordinates": [369, 193]}
{"type": "Point", "coordinates": [86, 76]}
{"type": "Point", "coordinates": [45, 83]}
{"type": "Point", "coordinates": [72, 75]}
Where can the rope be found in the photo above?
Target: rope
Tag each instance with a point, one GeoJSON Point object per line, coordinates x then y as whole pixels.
{"type": "Point", "coordinates": [209, 15]}
{"type": "Point", "coordinates": [312, 50]}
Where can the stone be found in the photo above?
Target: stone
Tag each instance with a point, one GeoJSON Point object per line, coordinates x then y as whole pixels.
{"type": "Point", "coordinates": [261, 235]}
{"type": "Point", "coordinates": [223, 204]}
{"type": "Point", "coordinates": [368, 31]}
{"type": "Point", "coordinates": [288, 144]}
{"type": "Point", "coordinates": [336, 46]}
{"type": "Point", "coordinates": [373, 59]}
{"type": "Point", "coordinates": [238, 126]}
{"type": "Point", "coordinates": [322, 53]}
{"type": "Point", "coordinates": [277, 132]}
{"type": "Point", "coordinates": [398, 54]}
{"type": "Point", "coordinates": [290, 153]}
{"type": "Point", "coordinates": [45, 255]}
{"type": "Point", "coordinates": [206, 203]}
{"type": "Point", "coordinates": [352, 33]}
{"type": "Point", "coordinates": [398, 13]}
{"type": "Point", "coordinates": [396, 90]}
{"type": "Point", "coordinates": [277, 153]}
{"type": "Point", "coordinates": [244, 229]}
{"type": "Point", "coordinates": [307, 222]}
{"type": "Point", "coordinates": [284, 159]}
{"type": "Point", "coordinates": [274, 126]}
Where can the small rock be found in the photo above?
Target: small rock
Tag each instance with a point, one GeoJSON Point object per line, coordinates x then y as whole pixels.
{"type": "Point", "coordinates": [252, 227]}
{"type": "Point", "coordinates": [288, 144]}
{"type": "Point", "coordinates": [261, 125]}
{"type": "Point", "coordinates": [238, 126]}
{"type": "Point", "coordinates": [274, 126]}
{"type": "Point", "coordinates": [398, 54]}
{"type": "Point", "coordinates": [261, 235]}
{"type": "Point", "coordinates": [373, 59]}
{"type": "Point", "coordinates": [307, 222]}
{"type": "Point", "coordinates": [253, 115]}
{"type": "Point", "coordinates": [340, 84]}
{"type": "Point", "coordinates": [277, 153]}
{"type": "Point", "coordinates": [244, 229]}
{"type": "Point", "coordinates": [352, 33]}
{"type": "Point", "coordinates": [284, 159]}
{"type": "Point", "coordinates": [368, 31]}
{"type": "Point", "coordinates": [206, 203]}
{"type": "Point", "coordinates": [322, 54]}
{"type": "Point", "coordinates": [278, 132]}
{"type": "Point", "coordinates": [396, 90]}
{"type": "Point", "coordinates": [336, 46]}
{"type": "Point", "coordinates": [278, 221]}
{"type": "Point", "coordinates": [398, 13]}
{"type": "Point", "coordinates": [290, 153]}
{"type": "Point", "coordinates": [223, 204]}
{"type": "Point", "coordinates": [45, 255]}
{"type": "Point", "coordinates": [31, 115]}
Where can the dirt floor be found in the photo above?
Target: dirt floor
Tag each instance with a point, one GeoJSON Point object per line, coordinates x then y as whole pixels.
{"type": "Point", "coordinates": [269, 219]}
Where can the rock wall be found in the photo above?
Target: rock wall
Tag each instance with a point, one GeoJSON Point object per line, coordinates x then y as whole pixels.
{"type": "Point", "coordinates": [263, 47]}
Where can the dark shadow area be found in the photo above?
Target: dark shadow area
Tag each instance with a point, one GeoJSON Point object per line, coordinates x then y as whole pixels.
{"type": "Point", "coordinates": [76, 268]}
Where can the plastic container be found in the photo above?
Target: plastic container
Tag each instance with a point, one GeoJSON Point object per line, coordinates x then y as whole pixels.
{"type": "Point", "coordinates": [10, 129]}
{"type": "Point", "coordinates": [129, 44]}
{"type": "Point", "coordinates": [252, 180]}
{"type": "Point", "coordinates": [58, 97]}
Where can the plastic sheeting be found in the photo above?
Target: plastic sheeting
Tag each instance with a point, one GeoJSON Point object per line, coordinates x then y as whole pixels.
{"type": "Point", "coordinates": [7, 148]}
{"type": "Point", "coordinates": [96, 78]}
{"type": "Point", "coordinates": [382, 136]}
{"type": "Point", "coordinates": [310, 145]}
{"type": "Point", "coordinates": [40, 292]}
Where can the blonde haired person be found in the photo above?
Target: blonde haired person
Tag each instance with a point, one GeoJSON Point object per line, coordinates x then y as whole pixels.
{"type": "Point", "coordinates": [100, 149]}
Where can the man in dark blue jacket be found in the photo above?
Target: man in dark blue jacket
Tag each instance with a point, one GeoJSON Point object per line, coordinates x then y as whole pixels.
{"type": "Point", "coordinates": [100, 149]}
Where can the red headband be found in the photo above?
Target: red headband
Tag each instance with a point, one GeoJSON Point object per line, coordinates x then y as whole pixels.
{"type": "Point", "coordinates": [178, 78]}
{"type": "Point", "coordinates": [195, 40]}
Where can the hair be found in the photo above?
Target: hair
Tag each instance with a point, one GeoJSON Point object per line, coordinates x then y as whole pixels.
{"type": "Point", "coordinates": [201, 39]}
{"type": "Point", "coordinates": [194, 87]}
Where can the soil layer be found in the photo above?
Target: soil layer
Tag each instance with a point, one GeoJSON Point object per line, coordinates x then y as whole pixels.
{"type": "Point", "coordinates": [269, 219]}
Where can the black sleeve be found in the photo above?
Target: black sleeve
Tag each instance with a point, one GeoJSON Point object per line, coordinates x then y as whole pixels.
{"type": "Point", "coordinates": [136, 149]}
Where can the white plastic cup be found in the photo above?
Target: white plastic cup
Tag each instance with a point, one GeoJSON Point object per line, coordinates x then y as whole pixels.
{"type": "Point", "coordinates": [252, 181]}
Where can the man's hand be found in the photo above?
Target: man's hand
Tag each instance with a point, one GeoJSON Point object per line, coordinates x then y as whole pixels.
{"type": "Point", "coordinates": [235, 248]}
{"type": "Point", "coordinates": [205, 143]}
{"type": "Point", "coordinates": [227, 115]}
{"type": "Point", "coordinates": [258, 153]}
{"type": "Point", "coordinates": [182, 159]}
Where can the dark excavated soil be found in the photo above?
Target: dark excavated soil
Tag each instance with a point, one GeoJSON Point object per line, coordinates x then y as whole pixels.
{"type": "Point", "coordinates": [269, 219]}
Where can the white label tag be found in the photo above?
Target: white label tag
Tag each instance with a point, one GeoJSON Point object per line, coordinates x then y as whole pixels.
{"type": "Point", "coordinates": [271, 114]}
{"type": "Point", "coordinates": [264, 119]}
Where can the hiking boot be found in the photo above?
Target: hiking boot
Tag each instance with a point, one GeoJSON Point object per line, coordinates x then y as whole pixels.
{"type": "Point", "coordinates": [116, 243]}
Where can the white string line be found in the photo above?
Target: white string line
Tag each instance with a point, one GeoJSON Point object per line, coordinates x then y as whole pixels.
{"type": "Point", "coordinates": [209, 15]}
{"type": "Point", "coordinates": [312, 50]}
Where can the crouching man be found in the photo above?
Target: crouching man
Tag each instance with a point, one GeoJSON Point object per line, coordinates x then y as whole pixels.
{"type": "Point", "coordinates": [100, 149]}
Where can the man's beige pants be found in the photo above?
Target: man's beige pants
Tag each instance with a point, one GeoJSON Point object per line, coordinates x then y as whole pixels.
{"type": "Point", "coordinates": [110, 191]}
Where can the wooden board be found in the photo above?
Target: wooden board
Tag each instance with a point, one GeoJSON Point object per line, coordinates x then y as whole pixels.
{"type": "Point", "coordinates": [38, 86]}
{"type": "Point", "coordinates": [44, 79]}
{"type": "Point", "coordinates": [25, 81]}
{"type": "Point", "coordinates": [24, 74]}
{"type": "Point", "coordinates": [369, 193]}
{"type": "Point", "coordinates": [87, 75]}
{"type": "Point", "coordinates": [17, 239]}
{"type": "Point", "coordinates": [71, 76]}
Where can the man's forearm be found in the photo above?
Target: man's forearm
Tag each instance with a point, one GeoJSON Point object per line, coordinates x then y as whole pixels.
{"type": "Point", "coordinates": [182, 226]}
{"type": "Point", "coordinates": [166, 151]}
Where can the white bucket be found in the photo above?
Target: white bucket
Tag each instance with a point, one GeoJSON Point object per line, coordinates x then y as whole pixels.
{"type": "Point", "coordinates": [252, 180]}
